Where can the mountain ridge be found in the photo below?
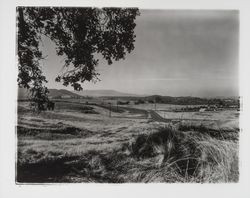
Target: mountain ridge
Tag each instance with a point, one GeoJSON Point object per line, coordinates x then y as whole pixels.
{"type": "Point", "coordinates": [102, 92]}
{"type": "Point", "coordinates": [53, 93]}
{"type": "Point", "coordinates": [63, 93]}
{"type": "Point", "coordinates": [60, 93]}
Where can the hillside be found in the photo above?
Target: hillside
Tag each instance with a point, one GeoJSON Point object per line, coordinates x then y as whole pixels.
{"type": "Point", "coordinates": [53, 93]}
{"type": "Point", "coordinates": [177, 100]}
{"type": "Point", "coordinates": [22, 93]}
{"type": "Point", "coordinates": [188, 100]}
{"type": "Point", "coordinates": [58, 93]}
{"type": "Point", "coordinates": [104, 92]}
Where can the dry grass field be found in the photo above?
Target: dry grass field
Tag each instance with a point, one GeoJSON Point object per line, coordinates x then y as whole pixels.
{"type": "Point", "coordinates": [82, 143]}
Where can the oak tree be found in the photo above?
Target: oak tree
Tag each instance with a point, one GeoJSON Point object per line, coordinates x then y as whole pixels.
{"type": "Point", "coordinates": [79, 34]}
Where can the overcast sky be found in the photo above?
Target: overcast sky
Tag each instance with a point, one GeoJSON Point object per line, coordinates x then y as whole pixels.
{"type": "Point", "coordinates": [177, 53]}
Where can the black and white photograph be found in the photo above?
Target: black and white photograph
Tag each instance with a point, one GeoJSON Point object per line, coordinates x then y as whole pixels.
{"type": "Point", "coordinates": [125, 95]}
{"type": "Point", "coordinates": [124, 99]}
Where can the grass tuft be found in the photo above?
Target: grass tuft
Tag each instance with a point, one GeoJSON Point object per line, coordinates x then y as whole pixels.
{"type": "Point", "coordinates": [189, 156]}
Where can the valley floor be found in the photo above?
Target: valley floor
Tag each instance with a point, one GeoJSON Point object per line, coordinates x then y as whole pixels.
{"type": "Point", "coordinates": [71, 144]}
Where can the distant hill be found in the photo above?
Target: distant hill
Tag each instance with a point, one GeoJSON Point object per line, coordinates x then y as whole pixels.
{"type": "Point", "coordinates": [62, 93]}
{"type": "Point", "coordinates": [22, 93]}
{"type": "Point", "coordinates": [99, 93]}
{"type": "Point", "coordinates": [53, 93]}
{"type": "Point", "coordinates": [177, 100]}
{"type": "Point", "coordinates": [188, 100]}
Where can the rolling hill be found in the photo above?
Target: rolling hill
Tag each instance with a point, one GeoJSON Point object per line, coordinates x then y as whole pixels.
{"type": "Point", "coordinates": [53, 93]}
{"type": "Point", "coordinates": [60, 93]}
{"type": "Point", "coordinates": [103, 92]}
{"type": "Point", "coordinates": [63, 93]}
{"type": "Point", "coordinates": [22, 93]}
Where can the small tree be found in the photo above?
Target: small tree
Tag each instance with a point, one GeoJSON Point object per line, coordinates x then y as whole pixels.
{"type": "Point", "coordinates": [79, 34]}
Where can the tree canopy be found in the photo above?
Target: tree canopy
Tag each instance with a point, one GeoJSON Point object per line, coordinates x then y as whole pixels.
{"type": "Point", "coordinates": [79, 34]}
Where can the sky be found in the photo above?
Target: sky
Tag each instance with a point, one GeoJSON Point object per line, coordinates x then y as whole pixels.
{"type": "Point", "coordinates": [177, 53]}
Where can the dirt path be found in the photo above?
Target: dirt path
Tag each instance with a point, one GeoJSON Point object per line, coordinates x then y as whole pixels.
{"type": "Point", "coordinates": [156, 117]}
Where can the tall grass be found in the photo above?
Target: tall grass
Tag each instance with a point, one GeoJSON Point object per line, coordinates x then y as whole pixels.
{"type": "Point", "coordinates": [166, 155]}
{"type": "Point", "coordinates": [188, 156]}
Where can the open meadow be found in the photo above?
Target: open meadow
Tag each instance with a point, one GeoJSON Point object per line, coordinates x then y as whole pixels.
{"type": "Point", "coordinates": [90, 142]}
